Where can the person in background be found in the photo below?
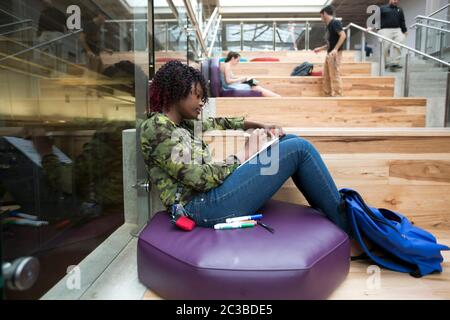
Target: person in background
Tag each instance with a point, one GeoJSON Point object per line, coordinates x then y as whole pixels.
{"type": "Point", "coordinates": [51, 25]}
{"type": "Point", "coordinates": [335, 36]}
{"type": "Point", "coordinates": [392, 26]}
{"type": "Point", "coordinates": [228, 80]}
{"type": "Point", "coordinates": [91, 41]}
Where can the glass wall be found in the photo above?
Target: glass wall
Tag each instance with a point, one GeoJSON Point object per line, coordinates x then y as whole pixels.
{"type": "Point", "coordinates": [289, 35]}
{"type": "Point", "coordinates": [72, 75]}
{"type": "Point", "coordinates": [172, 35]}
{"type": "Point", "coordinates": [272, 35]}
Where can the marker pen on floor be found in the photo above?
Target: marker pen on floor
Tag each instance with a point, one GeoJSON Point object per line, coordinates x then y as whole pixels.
{"type": "Point", "coordinates": [243, 218]}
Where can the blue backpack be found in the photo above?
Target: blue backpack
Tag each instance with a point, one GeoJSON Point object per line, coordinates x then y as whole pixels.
{"type": "Point", "coordinates": [405, 247]}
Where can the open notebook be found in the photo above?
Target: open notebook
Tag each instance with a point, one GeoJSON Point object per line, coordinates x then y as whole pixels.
{"type": "Point", "coordinates": [264, 147]}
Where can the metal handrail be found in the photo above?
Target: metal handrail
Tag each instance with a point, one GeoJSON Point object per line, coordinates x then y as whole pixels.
{"type": "Point", "coordinates": [439, 10]}
{"type": "Point", "coordinates": [395, 43]}
{"type": "Point", "coordinates": [198, 33]}
{"type": "Point", "coordinates": [15, 23]}
{"type": "Point", "coordinates": [214, 36]}
{"type": "Point", "coordinates": [16, 30]}
{"type": "Point", "coordinates": [210, 21]}
{"type": "Point", "coordinates": [273, 19]}
{"type": "Point", "coordinates": [431, 19]}
{"type": "Point", "coordinates": [10, 14]}
{"type": "Point", "coordinates": [174, 10]}
{"type": "Point", "coordinates": [43, 44]}
{"type": "Point", "coordinates": [429, 27]}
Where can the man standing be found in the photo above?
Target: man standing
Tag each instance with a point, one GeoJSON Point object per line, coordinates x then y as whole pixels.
{"type": "Point", "coordinates": [392, 27]}
{"type": "Point", "coordinates": [52, 25]}
{"type": "Point", "coordinates": [335, 36]}
{"type": "Point", "coordinates": [91, 42]}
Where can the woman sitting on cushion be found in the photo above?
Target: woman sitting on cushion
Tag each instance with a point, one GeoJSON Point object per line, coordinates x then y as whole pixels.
{"type": "Point", "coordinates": [180, 166]}
{"type": "Point", "coordinates": [229, 81]}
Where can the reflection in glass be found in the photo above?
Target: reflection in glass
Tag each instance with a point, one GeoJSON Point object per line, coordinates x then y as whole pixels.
{"type": "Point", "coordinates": [67, 94]}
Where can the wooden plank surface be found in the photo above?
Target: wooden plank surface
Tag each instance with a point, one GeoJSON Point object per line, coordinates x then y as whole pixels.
{"type": "Point", "coordinates": [313, 86]}
{"type": "Point", "coordinates": [284, 69]}
{"type": "Point", "coordinates": [295, 56]}
{"type": "Point", "coordinates": [327, 112]}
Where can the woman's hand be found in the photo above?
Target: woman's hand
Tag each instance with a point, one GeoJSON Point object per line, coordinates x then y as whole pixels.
{"type": "Point", "coordinates": [256, 140]}
{"type": "Point", "coordinates": [275, 130]}
{"type": "Point", "coordinates": [253, 144]}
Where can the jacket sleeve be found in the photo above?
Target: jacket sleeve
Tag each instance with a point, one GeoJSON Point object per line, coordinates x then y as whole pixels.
{"type": "Point", "coordinates": [236, 123]}
{"type": "Point", "coordinates": [402, 21]}
{"type": "Point", "coordinates": [175, 153]}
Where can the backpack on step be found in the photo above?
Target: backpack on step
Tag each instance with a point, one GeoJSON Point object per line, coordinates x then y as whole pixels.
{"type": "Point", "coordinates": [302, 70]}
{"type": "Point", "coordinates": [403, 246]}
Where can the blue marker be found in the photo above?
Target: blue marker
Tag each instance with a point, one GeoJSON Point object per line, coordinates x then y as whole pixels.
{"type": "Point", "coordinates": [244, 218]}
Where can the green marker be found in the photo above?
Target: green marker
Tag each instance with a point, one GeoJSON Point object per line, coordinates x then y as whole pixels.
{"type": "Point", "coordinates": [234, 225]}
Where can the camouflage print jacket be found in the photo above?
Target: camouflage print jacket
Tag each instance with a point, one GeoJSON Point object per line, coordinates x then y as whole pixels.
{"type": "Point", "coordinates": [178, 159]}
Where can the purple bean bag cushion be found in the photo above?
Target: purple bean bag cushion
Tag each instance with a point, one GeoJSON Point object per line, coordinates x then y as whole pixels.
{"type": "Point", "coordinates": [216, 87]}
{"type": "Point", "coordinates": [306, 258]}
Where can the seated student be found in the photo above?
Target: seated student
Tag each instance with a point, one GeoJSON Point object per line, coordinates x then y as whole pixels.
{"type": "Point", "coordinates": [228, 80]}
{"type": "Point", "coordinates": [181, 169]}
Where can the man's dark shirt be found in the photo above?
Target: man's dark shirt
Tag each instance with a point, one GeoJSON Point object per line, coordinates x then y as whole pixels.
{"type": "Point", "coordinates": [332, 35]}
{"type": "Point", "coordinates": [92, 31]}
{"type": "Point", "coordinates": [392, 17]}
{"type": "Point", "coordinates": [51, 19]}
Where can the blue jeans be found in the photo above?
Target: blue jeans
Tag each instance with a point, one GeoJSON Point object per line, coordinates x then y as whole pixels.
{"type": "Point", "coordinates": [246, 189]}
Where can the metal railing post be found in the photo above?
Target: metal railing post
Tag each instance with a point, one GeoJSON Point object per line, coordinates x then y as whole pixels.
{"type": "Point", "coordinates": [167, 36]}
{"type": "Point", "coordinates": [363, 46]}
{"type": "Point", "coordinates": [380, 73]}
{"type": "Point", "coordinates": [307, 36]}
{"type": "Point", "coordinates": [242, 36]}
{"type": "Point", "coordinates": [447, 102]}
{"type": "Point", "coordinates": [441, 44]}
{"type": "Point", "coordinates": [349, 34]}
{"type": "Point", "coordinates": [406, 75]}
{"type": "Point", "coordinates": [274, 33]}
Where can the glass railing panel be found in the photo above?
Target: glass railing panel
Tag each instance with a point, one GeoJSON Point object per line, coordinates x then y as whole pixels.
{"type": "Point", "coordinates": [288, 36]}
{"type": "Point", "coordinates": [428, 79]}
{"type": "Point", "coordinates": [231, 36]}
{"type": "Point", "coordinates": [316, 36]}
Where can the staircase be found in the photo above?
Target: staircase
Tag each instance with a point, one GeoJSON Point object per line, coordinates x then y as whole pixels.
{"type": "Point", "coordinates": [360, 131]}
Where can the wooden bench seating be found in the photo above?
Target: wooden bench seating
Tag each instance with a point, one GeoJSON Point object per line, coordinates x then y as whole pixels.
{"type": "Point", "coordinates": [284, 69]}
{"type": "Point", "coordinates": [312, 86]}
{"type": "Point", "coordinates": [327, 112]}
{"type": "Point", "coordinates": [295, 56]}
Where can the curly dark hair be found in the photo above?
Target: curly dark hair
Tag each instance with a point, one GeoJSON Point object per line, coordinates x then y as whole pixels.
{"type": "Point", "coordinates": [172, 83]}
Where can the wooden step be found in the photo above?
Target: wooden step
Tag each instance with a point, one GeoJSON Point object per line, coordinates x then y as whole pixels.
{"type": "Point", "coordinates": [312, 86]}
{"type": "Point", "coordinates": [284, 69]}
{"type": "Point", "coordinates": [295, 56]}
{"type": "Point", "coordinates": [327, 112]}
{"type": "Point", "coordinates": [404, 170]}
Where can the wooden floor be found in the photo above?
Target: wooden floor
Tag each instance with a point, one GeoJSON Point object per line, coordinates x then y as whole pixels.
{"type": "Point", "coordinates": [365, 282]}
